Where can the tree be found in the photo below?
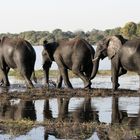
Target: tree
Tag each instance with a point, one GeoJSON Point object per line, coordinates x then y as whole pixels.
{"type": "Point", "coordinates": [138, 29]}
{"type": "Point", "coordinates": [129, 30]}
{"type": "Point", "coordinates": [80, 34]}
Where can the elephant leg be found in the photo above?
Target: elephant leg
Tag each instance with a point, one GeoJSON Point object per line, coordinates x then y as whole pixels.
{"type": "Point", "coordinates": [64, 74]}
{"type": "Point", "coordinates": [88, 72]}
{"type": "Point", "coordinates": [59, 81]}
{"type": "Point", "coordinates": [2, 81]}
{"type": "Point", "coordinates": [114, 81]}
{"type": "Point", "coordinates": [27, 75]}
{"type": "Point", "coordinates": [5, 80]}
{"type": "Point", "coordinates": [139, 84]}
{"type": "Point", "coordinates": [115, 72]}
{"type": "Point", "coordinates": [87, 83]}
{"type": "Point", "coordinates": [28, 82]}
{"type": "Point", "coordinates": [122, 71]}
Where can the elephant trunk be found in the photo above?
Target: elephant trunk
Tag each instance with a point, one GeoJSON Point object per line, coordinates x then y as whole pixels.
{"type": "Point", "coordinates": [95, 67]}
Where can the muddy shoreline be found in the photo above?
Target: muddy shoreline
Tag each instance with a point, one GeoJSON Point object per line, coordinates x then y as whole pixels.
{"type": "Point", "coordinates": [42, 93]}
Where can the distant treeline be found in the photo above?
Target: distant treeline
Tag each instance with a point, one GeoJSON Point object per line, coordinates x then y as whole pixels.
{"type": "Point", "coordinates": [129, 31]}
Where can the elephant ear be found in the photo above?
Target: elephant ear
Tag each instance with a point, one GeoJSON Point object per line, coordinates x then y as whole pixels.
{"type": "Point", "coordinates": [45, 42]}
{"type": "Point", "coordinates": [114, 45]}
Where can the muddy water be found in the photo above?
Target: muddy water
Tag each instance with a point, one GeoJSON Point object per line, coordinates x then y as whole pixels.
{"type": "Point", "coordinates": [95, 109]}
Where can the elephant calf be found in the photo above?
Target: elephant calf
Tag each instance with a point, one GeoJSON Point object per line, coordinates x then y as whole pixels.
{"type": "Point", "coordinates": [75, 54]}
{"type": "Point", "coordinates": [17, 54]}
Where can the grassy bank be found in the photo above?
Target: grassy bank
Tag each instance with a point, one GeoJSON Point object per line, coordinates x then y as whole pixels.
{"type": "Point", "coordinates": [55, 73]}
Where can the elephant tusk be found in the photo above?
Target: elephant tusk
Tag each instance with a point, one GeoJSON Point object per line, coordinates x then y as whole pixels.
{"type": "Point", "coordinates": [93, 60]}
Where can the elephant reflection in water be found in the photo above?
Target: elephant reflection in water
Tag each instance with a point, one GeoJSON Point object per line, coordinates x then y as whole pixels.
{"type": "Point", "coordinates": [47, 112]}
{"type": "Point", "coordinates": [82, 113]}
{"type": "Point", "coordinates": [85, 112]}
{"type": "Point", "coordinates": [119, 116]}
{"type": "Point", "coordinates": [62, 109]}
{"type": "Point", "coordinates": [17, 110]}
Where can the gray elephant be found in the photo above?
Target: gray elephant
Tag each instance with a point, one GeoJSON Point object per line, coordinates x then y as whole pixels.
{"type": "Point", "coordinates": [124, 55]}
{"type": "Point", "coordinates": [18, 54]}
{"type": "Point", "coordinates": [75, 54]}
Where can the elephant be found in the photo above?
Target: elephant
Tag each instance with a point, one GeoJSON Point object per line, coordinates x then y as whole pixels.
{"type": "Point", "coordinates": [74, 54]}
{"type": "Point", "coordinates": [124, 55]}
{"type": "Point", "coordinates": [17, 110]}
{"type": "Point", "coordinates": [121, 116]}
{"type": "Point", "coordinates": [17, 53]}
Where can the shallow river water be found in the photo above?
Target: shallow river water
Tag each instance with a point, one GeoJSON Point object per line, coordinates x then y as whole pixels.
{"type": "Point", "coordinates": [96, 109]}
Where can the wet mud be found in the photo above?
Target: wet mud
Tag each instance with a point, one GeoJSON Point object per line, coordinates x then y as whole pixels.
{"type": "Point", "coordinates": [43, 92]}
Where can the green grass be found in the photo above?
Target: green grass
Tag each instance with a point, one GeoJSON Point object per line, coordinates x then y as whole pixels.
{"type": "Point", "coordinates": [40, 73]}
{"type": "Point", "coordinates": [55, 73]}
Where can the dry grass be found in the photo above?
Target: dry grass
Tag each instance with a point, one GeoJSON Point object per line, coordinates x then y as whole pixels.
{"type": "Point", "coordinates": [73, 130]}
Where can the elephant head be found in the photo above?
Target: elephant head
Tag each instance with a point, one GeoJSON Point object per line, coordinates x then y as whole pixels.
{"type": "Point", "coordinates": [47, 56]}
{"type": "Point", "coordinates": [107, 47]}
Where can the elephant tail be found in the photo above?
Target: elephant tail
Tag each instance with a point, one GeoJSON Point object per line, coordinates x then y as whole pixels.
{"type": "Point", "coordinates": [34, 77]}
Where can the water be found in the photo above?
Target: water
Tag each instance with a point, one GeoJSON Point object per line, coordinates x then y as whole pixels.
{"type": "Point", "coordinates": [99, 109]}
{"type": "Point", "coordinates": [104, 64]}
{"type": "Point", "coordinates": [126, 82]}
{"type": "Point", "coordinates": [95, 109]}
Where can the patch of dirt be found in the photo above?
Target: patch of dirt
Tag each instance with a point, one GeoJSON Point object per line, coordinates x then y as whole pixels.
{"type": "Point", "coordinates": [42, 93]}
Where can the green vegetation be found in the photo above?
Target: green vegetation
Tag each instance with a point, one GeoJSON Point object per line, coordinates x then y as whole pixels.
{"type": "Point", "coordinates": [54, 73]}
{"type": "Point", "coordinates": [130, 30]}
{"type": "Point", "coordinates": [39, 73]}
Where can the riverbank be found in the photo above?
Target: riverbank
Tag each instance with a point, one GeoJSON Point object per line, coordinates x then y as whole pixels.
{"type": "Point", "coordinates": [54, 73]}
{"type": "Point", "coordinates": [43, 93]}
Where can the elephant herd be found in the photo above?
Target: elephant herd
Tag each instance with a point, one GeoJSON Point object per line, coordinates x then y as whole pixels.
{"type": "Point", "coordinates": [75, 54]}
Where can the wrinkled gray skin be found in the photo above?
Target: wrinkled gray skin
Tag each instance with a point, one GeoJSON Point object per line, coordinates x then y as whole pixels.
{"type": "Point", "coordinates": [124, 55]}
{"type": "Point", "coordinates": [75, 55]}
{"type": "Point", "coordinates": [17, 54]}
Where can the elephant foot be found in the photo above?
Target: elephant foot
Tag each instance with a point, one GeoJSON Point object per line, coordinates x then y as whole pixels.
{"type": "Point", "coordinates": [114, 90]}
{"type": "Point", "coordinates": [118, 85]}
{"type": "Point", "coordinates": [59, 85]}
{"type": "Point", "coordinates": [70, 87]}
{"type": "Point", "coordinates": [1, 83]}
{"type": "Point", "coordinates": [87, 85]}
{"type": "Point", "coordinates": [5, 84]}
